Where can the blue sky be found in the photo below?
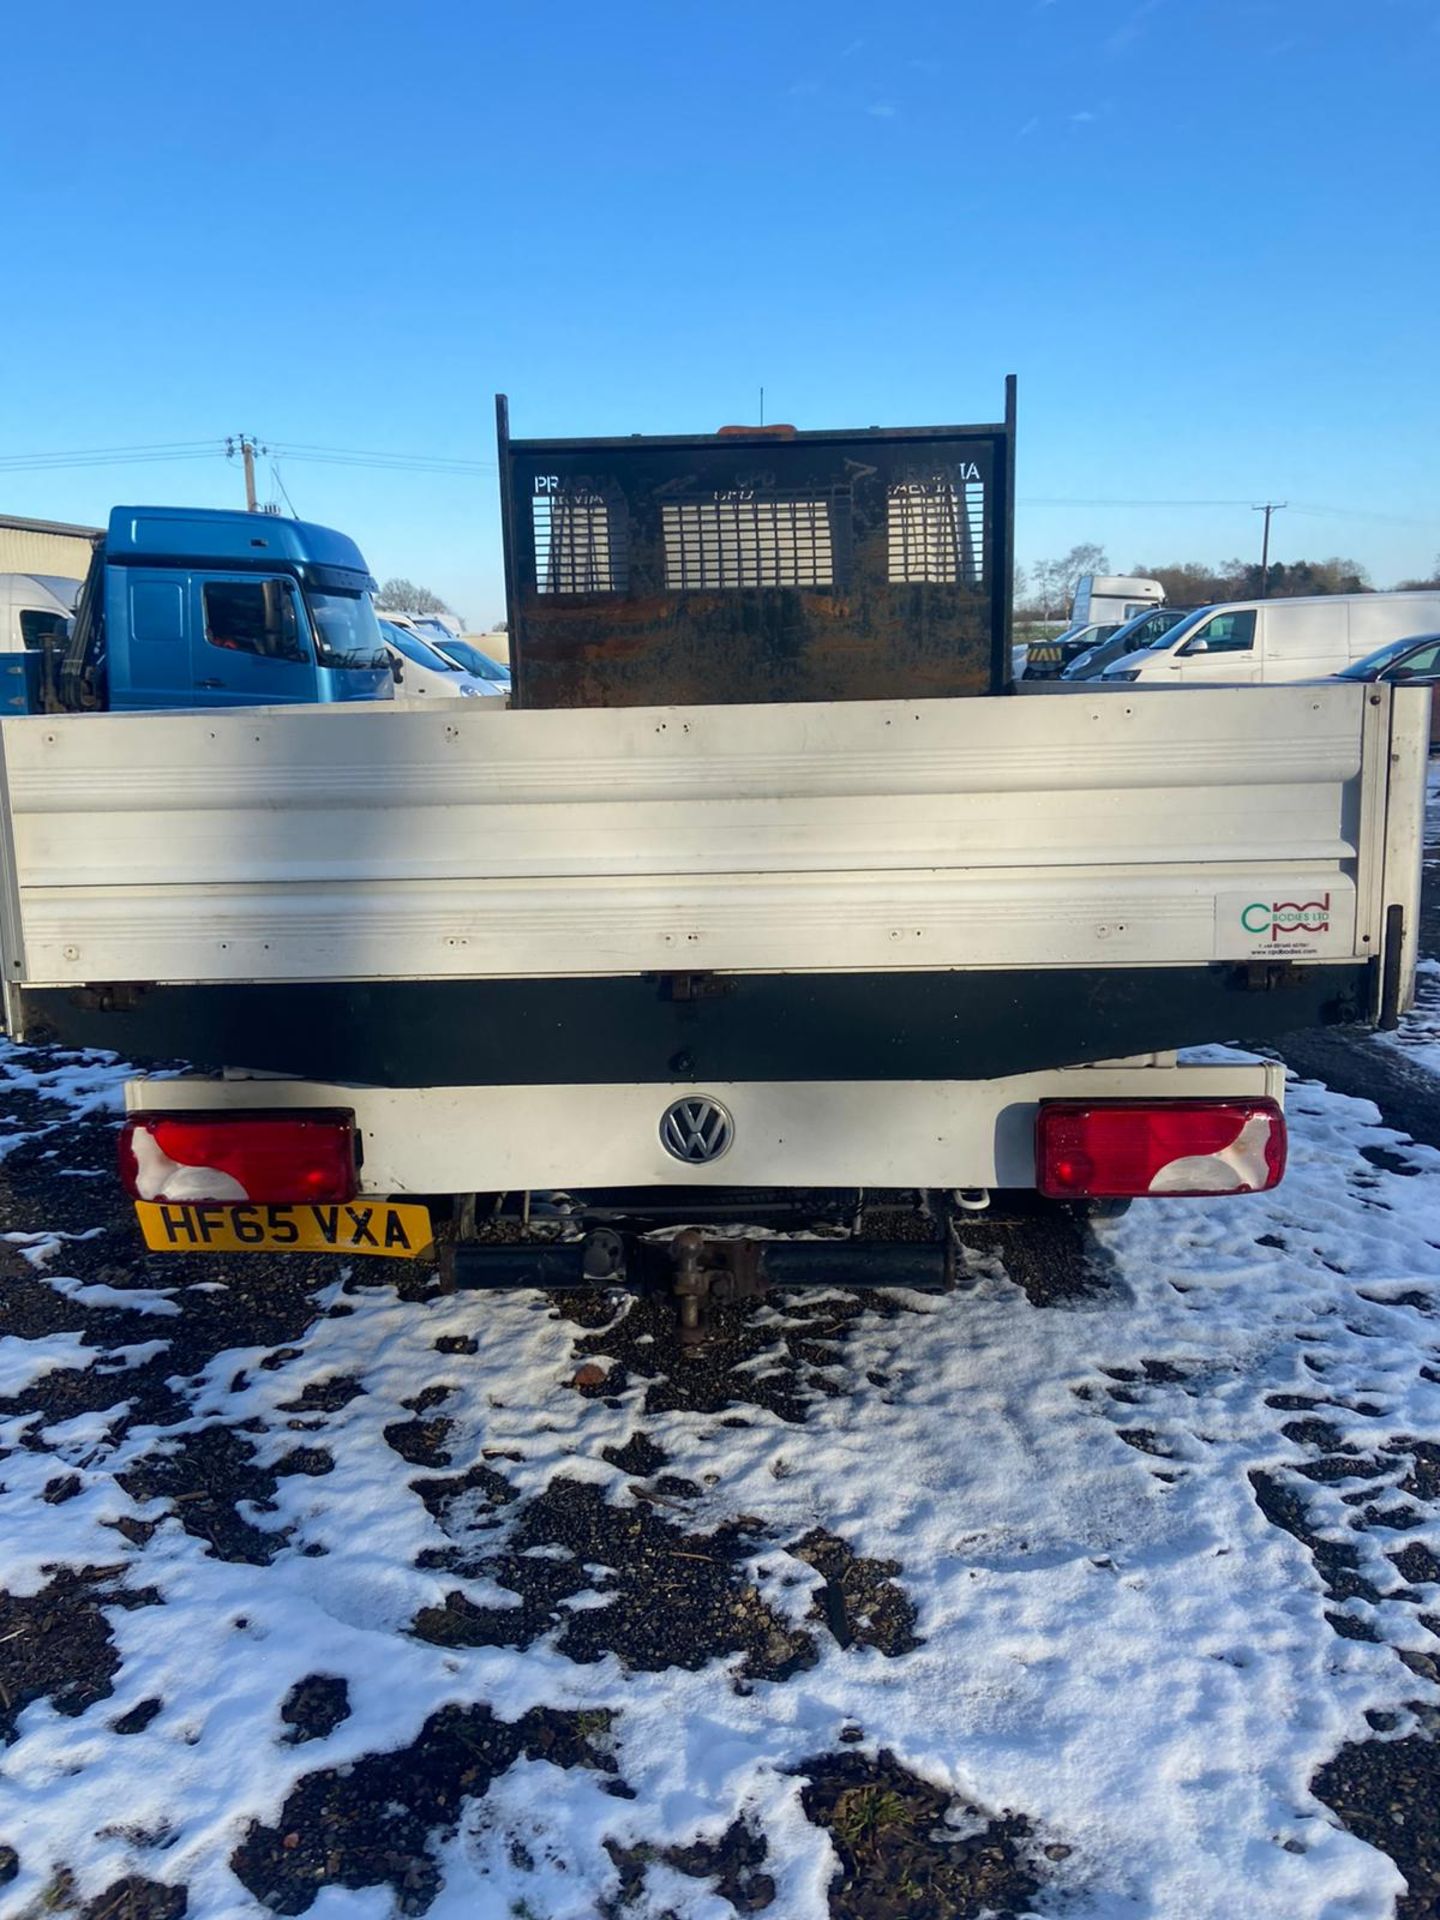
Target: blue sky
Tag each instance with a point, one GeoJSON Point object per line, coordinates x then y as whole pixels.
{"type": "Point", "coordinates": [1202, 232]}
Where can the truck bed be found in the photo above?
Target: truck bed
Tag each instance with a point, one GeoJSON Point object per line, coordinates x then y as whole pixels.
{"type": "Point", "coordinates": [1240, 835]}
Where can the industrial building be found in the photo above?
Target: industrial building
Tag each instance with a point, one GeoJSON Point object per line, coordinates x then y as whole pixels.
{"type": "Point", "coordinates": [45, 547]}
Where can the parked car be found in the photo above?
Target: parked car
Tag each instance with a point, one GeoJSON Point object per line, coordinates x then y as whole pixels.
{"type": "Point", "coordinates": [1411, 663]}
{"type": "Point", "coordinates": [437, 628]}
{"type": "Point", "coordinates": [476, 663]}
{"type": "Point", "coordinates": [420, 668]}
{"type": "Point", "coordinates": [1248, 641]}
{"type": "Point", "coordinates": [1143, 631]}
{"type": "Point", "coordinates": [1048, 659]}
{"type": "Point", "coordinates": [1103, 603]}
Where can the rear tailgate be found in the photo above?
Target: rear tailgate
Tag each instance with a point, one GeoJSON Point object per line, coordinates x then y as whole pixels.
{"type": "Point", "coordinates": [1253, 825]}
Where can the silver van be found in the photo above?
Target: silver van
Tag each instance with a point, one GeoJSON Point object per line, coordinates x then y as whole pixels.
{"type": "Point", "coordinates": [1266, 641]}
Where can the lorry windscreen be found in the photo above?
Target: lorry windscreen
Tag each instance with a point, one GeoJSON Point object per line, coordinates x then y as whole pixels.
{"type": "Point", "coordinates": [347, 633]}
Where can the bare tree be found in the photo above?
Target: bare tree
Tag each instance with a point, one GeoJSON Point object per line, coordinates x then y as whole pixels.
{"type": "Point", "coordinates": [1055, 581]}
{"type": "Point", "coordinates": [1433, 581]}
{"type": "Point", "coordinates": [403, 596]}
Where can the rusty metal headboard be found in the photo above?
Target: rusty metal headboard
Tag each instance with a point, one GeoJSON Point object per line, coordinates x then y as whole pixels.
{"type": "Point", "coordinates": [759, 564]}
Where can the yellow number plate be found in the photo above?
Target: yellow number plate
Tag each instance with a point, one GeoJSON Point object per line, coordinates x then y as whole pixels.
{"type": "Point", "coordinates": [357, 1226]}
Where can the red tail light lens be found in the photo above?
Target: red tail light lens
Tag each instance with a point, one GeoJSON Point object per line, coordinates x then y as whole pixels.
{"type": "Point", "coordinates": [271, 1158]}
{"type": "Point", "coordinates": [1120, 1149]}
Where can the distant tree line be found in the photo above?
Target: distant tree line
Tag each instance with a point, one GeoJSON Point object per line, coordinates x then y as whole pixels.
{"type": "Point", "coordinates": [1045, 591]}
{"type": "Point", "coordinates": [1187, 583]}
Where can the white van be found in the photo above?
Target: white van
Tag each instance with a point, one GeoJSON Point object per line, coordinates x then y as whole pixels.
{"type": "Point", "coordinates": [34, 606]}
{"type": "Point", "coordinates": [1274, 640]}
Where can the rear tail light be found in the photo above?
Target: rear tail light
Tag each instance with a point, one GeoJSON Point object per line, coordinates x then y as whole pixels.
{"type": "Point", "coordinates": [271, 1158]}
{"type": "Point", "coordinates": [1119, 1149]}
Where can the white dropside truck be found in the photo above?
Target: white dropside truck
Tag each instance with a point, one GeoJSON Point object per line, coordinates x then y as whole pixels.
{"type": "Point", "coordinates": [701, 992]}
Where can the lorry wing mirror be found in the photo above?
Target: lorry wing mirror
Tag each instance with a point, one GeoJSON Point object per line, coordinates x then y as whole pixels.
{"type": "Point", "coordinates": [1197, 646]}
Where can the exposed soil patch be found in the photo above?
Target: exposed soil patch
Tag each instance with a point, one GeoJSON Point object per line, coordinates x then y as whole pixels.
{"type": "Point", "coordinates": [777, 1363]}
{"type": "Point", "coordinates": [1423, 1477]}
{"type": "Point", "coordinates": [859, 1602]}
{"type": "Point", "coordinates": [461, 1503]}
{"type": "Point", "coordinates": [1402, 1090]}
{"type": "Point", "coordinates": [421, 1443]}
{"type": "Point", "coordinates": [139, 1716]}
{"type": "Point", "coordinates": [203, 1475]}
{"type": "Point", "coordinates": [733, 1864]}
{"type": "Point", "coordinates": [1417, 1564]}
{"type": "Point", "coordinates": [907, 1849]}
{"type": "Point", "coordinates": [56, 1644]}
{"type": "Point", "coordinates": [1386, 1792]}
{"type": "Point", "coordinates": [376, 1823]}
{"type": "Point", "coordinates": [639, 1457]}
{"type": "Point", "coordinates": [672, 1599]}
{"type": "Point", "coordinates": [324, 1396]}
{"type": "Point", "coordinates": [136, 1898]}
{"type": "Point", "coordinates": [315, 1706]}
{"type": "Point", "coordinates": [1335, 1561]}
{"type": "Point", "coordinates": [1047, 1250]}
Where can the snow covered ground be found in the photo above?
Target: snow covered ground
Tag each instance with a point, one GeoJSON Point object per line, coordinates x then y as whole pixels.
{"type": "Point", "coordinates": [1418, 1036]}
{"type": "Point", "coordinates": [1097, 1598]}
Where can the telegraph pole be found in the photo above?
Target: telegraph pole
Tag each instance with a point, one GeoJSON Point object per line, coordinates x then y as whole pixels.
{"type": "Point", "coordinates": [1270, 506]}
{"type": "Point", "coordinates": [244, 444]}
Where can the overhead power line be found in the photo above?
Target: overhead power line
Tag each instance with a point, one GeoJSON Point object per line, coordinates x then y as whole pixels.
{"type": "Point", "coordinates": [1049, 500]}
{"type": "Point", "coordinates": [1315, 510]}
{"type": "Point", "coordinates": [376, 458]}
{"type": "Point", "coordinates": [70, 462]}
{"type": "Point", "coordinates": [391, 462]}
{"type": "Point", "coordinates": [107, 453]}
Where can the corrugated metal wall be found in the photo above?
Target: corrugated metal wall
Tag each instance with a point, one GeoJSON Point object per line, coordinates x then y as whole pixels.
{"type": "Point", "coordinates": [30, 550]}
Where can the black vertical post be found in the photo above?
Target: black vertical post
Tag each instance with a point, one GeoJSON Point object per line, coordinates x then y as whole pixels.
{"type": "Point", "coordinates": [507, 534]}
{"type": "Point", "coordinates": [1007, 558]}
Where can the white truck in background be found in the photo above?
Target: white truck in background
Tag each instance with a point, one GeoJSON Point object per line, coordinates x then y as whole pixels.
{"type": "Point", "coordinates": [1102, 602]}
{"type": "Point", "coordinates": [701, 966]}
{"type": "Point", "coordinates": [1110, 599]}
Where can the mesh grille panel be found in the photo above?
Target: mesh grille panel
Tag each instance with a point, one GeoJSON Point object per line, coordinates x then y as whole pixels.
{"type": "Point", "coordinates": [579, 544]}
{"type": "Point", "coordinates": [765, 540]}
{"type": "Point", "coordinates": [937, 531]}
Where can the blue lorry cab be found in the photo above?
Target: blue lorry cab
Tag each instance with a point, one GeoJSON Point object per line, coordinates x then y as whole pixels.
{"type": "Point", "coordinates": [199, 607]}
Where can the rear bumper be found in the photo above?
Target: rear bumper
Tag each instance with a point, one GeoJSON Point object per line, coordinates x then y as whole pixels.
{"type": "Point", "coordinates": [883, 1133]}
